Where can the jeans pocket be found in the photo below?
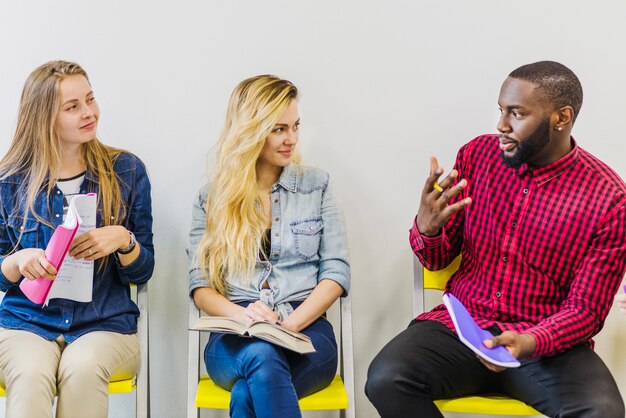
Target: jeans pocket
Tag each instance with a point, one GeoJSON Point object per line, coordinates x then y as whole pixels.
{"type": "Point", "coordinates": [307, 235]}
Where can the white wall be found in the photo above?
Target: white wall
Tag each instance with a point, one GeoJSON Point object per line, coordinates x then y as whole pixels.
{"type": "Point", "coordinates": [384, 86]}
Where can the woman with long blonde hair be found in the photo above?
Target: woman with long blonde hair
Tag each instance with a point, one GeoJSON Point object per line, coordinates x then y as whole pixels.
{"type": "Point", "coordinates": [68, 348]}
{"type": "Point", "coordinates": [267, 243]}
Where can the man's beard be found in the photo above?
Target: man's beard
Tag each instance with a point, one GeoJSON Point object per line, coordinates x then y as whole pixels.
{"type": "Point", "coordinates": [528, 148]}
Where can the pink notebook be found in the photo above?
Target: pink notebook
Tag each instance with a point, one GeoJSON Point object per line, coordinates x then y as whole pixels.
{"type": "Point", "coordinates": [473, 336]}
{"type": "Point", "coordinates": [37, 290]}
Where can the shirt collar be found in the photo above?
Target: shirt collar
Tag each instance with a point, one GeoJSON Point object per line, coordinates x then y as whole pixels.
{"type": "Point", "coordinates": [553, 170]}
{"type": "Point", "coordinates": [289, 178]}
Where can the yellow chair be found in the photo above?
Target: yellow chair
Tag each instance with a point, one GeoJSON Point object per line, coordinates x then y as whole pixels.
{"type": "Point", "coordinates": [203, 393]}
{"type": "Point", "coordinates": [140, 381]}
{"type": "Point", "coordinates": [488, 404]}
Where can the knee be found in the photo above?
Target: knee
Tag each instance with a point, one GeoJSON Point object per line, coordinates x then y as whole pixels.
{"type": "Point", "coordinates": [261, 352]}
{"type": "Point", "coordinates": [83, 368]}
{"type": "Point", "coordinates": [240, 396]}
{"type": "Point", "coordinates": [605, 406]}
{"type": "Point", "coordinates": [382, 376]}
{"type": "Point", "coordinates": [264, 360]}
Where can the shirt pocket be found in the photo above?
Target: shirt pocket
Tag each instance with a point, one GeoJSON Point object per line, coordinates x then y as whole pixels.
{"type": "Point", "coordinates": [307, 235]}
{"type": "Point", "coordinates": [26, 235]}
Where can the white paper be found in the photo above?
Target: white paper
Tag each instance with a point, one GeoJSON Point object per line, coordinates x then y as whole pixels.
{"type": "Point", "coordinates": [74, 280]}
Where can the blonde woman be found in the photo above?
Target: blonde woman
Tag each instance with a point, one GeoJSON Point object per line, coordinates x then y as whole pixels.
{"type": "Point", "coordinates": [67, 348]}
{"type": "Point", "coordinates": [267, 243]}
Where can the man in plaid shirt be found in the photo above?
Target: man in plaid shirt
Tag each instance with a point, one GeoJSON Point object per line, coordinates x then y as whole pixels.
{"type": "Point", "coordinates": [540, 224]}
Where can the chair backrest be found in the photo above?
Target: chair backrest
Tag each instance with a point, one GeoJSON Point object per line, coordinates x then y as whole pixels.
{"type": "Point", "coordinates": [346, 355]}
{"type": "Point", "coordinates": [143, 374]}
{"type": "Point", "coordinates": [426, 279]}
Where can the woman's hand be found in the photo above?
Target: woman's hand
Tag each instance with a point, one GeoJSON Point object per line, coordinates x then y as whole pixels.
{"type": "Point", "coordinates": [290, 324]}
{"type": "Point", "coordinates": [30, 263]}
{"type": "Point", "coordinates": [257, 311]}
{"type": "Point", "coordinates": [99, 242]}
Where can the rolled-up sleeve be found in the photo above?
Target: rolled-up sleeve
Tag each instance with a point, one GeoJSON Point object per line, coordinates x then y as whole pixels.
{"type": "Point", "coordinates": [139, 221]}
{"type": "Point", "coordinates": [196, 232]}
{"type": "Point", "coordinates": [6, 246]}
{"type": "Point", "coordinates": [333, 252]}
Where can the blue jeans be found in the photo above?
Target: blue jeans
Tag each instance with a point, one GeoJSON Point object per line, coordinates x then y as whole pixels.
{"type": "Point", "coordinates": [265, 380]}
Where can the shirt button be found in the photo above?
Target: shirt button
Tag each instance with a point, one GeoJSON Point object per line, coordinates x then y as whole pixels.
{"type": "Point", "coordinates": [505, 259]}
{"type": "Point", "coordinates": [525, 191]}
{"type": "Point", "coordinates": [58, 192]}
{"type": "Point", "coordinates": [277, 219]}
{"type": "Point", "coordinates": [514, 224]}
{"type": "Point", "coordinates": [67, 321]}
{"type": "Point", "coordinates": [498, 294]}
{"type": "Point", "coordinates": [57, 215]}
{"type": "Point", "coordinates": [276, 234]}
{"type": "Point", "coordinates": [275, 255]}
{"type": "Point", "coordinates": [275, 200]}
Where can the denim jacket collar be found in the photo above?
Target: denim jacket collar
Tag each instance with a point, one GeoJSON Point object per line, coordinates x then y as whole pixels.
{"type": "Point", "coordinates": [289, 178]}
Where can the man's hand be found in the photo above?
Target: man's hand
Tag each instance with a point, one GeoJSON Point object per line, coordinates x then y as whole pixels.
{"type": "Point", "coordinates": [519, 345]}
{"type": "Point", "coordinates": [434, 211]}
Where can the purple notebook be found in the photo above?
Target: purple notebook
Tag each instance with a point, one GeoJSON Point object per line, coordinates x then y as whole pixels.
{"type": "Point", "coordinates": [473, 336]}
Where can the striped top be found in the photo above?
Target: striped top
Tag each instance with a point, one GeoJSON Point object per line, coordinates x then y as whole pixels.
{"type": "Point", "coordinates": [543, 249]}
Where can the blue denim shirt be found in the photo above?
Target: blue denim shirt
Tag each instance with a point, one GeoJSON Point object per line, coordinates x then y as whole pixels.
{"type": "Point", "coordinates": [308, 243]}
{"type": "Point", "coordinates": [111, 308]}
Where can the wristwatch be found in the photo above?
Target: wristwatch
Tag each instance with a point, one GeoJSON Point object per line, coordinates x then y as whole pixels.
{"type": "Point", "coordinates": [131, 246]}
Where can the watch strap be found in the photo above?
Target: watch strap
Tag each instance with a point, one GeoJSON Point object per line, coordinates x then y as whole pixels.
{"type": "Point", "coordinates": [131, 246]}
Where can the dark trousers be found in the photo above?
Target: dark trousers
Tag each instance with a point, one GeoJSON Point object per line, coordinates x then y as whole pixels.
{"type": "Point", "coordinates": [427, 361]}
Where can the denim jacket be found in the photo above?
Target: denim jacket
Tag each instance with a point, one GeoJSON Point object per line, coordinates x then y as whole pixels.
{"type": "Point", "coordinates": [308, 243]}
{"type": "Point", "coordinates": [111, 308]}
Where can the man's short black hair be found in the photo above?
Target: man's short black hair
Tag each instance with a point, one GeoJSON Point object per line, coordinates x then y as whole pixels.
{"type": "Point", "coordinates": [558, 83]}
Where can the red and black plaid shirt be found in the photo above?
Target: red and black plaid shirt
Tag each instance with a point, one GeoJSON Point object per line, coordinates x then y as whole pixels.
{"type": "Point", "coordinates": [543, 250]}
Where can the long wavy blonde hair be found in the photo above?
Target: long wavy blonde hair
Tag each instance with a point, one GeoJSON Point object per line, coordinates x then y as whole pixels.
{"type": "Point", "coordinates": [35, 152]}
{"type": "Point", "coordinates": [234, 224]}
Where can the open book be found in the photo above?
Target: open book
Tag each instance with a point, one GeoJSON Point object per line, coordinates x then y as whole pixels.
{"type": "Point", "coordinates": [473, 336]}
{"type": "Point", "coordinates": [272, 333]}
{"type": "Point", "coordinates": [59, 245]}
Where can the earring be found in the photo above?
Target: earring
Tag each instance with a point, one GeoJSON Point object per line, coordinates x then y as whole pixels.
{"type": "Point", "coordinates": [559, 128]}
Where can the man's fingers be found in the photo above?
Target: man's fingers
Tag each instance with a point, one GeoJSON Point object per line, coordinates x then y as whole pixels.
{"type": "Point", "coordinates": [433, 176]}
{"type": "Point", "coordinates": [449, 180]}
{"type": "Point", "coordinates": [434, 165]}
{"type": "Point", "coordinates": [450, 192]}
{"type": "Point", "coordinates": [456, 207]}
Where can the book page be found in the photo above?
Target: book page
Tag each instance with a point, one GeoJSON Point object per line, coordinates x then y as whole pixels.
{"type": "Point", "coordinates": [74, 280]}
{"type": "Point", "coordinates": [281, 336]}
{"type": "Point", "coordinates": [272, 333]}
{"type": "Point", "coordinates": [220, 324]}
